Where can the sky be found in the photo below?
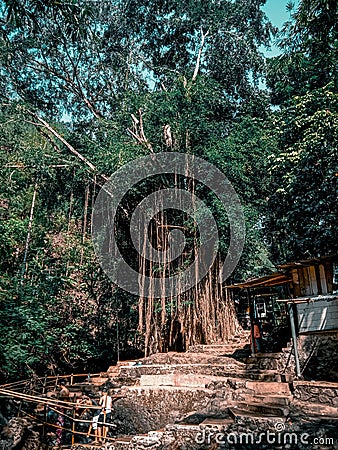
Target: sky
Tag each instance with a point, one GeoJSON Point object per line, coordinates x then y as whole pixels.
{"type": "Point", "coordinates": [278, 14]}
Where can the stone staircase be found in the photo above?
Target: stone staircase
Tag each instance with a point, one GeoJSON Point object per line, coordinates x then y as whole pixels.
{"type": "Point", "coordinates": [268, 400]}
{"type": "Point", "coordinates": [170, 400]}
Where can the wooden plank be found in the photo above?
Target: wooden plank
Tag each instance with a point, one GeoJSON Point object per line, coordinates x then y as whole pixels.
{"type": "Point", "coordinates": [307, 285]}
{"type": "Point", "coordinates": [295, 282]}
{"type": "Point", "coordinates": [329, 276]}
{"type": "Point", "coordinates": [319, 285]}
{"type": "Point", "coordinates": [313, 280]}
{"type": "Point", "coordinates": [323, 279]}
{"type": "Point", "coordinates": [301, 282]}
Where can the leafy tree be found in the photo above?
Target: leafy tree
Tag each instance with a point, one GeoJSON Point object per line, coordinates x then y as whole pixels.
{"type": "Point", "coordinates": [303, 203]}
{"type": "Point", "coordinates": [310, 51]}
{"type": "Point", "coordinates": [86, 90]}
{"type": "Point", "coordinates": [302, 216]}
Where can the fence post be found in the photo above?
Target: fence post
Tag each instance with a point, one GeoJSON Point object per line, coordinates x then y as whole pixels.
{"type": "Point", "coordinates": [73, 427]}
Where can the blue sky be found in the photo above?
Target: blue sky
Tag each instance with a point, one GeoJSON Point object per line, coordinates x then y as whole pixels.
{"type": "Point", "coordinates": [278, 14]}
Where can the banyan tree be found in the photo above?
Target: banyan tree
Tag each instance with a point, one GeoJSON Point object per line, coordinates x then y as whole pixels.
{"type": "Point", "coordinates": [169, 228]}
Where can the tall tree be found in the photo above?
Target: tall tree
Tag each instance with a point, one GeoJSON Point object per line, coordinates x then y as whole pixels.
{"type": "Point", "coordinates": [302, 219]}
{"type": "Point", "coordinates": [310, 53]}
{"type": "Point", "coordinates": [102, 88]}
{"type": "Point", "coordinates": [303, 202]}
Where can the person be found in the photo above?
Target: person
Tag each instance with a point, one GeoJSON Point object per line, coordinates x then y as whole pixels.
{"type": "Point", "coordinates": [81, 405]}
{"type": "Point", "coordinates": [95, 427]}
{"type": "Point", "coordinates": [60, 421]}
{"type": "Point", "coordinates": [257, 337]}
{"type": "Point", "coordinates": [94, 423]}
{"type": "Point", "coordinates": [105, 416]}
{"type": "Point", "coordinates": [83, 412]}
{"type": "Point", "coordinates": [64, 393]}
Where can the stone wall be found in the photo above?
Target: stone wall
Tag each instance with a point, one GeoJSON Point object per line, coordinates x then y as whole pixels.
{"type": "Point", "coordinates": [318, 356]}
{"type": "Point", "coordinates": [316, 392]}
{"type": "Point", "coordinates": [150, 408]}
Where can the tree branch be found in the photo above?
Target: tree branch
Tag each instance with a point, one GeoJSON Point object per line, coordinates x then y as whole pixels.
{"type": "Point", "coordinates": [138, 132]}
{"type": "Point", "coordinates": [198, 62]}
{"type": "Point", "coordinates": [67, 144]}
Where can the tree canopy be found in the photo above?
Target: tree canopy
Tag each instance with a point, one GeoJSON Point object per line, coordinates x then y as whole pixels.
{"type": "Point", "coordinates": [86, 88]}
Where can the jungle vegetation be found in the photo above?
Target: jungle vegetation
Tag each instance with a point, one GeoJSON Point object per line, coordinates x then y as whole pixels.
{"type": "Point", "coordinates": [86, 87]}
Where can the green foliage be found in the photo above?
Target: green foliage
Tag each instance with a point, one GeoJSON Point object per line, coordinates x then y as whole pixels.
{"type": "Point", "coordinates": [303, 201]}
{"type": "Point", "coordinates": [192, 66]}
{"type": "Point", "coordinates": [302, 215]}
{"type": "Point", "coordinates": [51, 317]}
{"type": "Point", "coordinates": [310, 57]}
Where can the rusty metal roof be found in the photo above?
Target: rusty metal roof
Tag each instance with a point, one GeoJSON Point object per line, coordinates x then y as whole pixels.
{"type": "Point", "coordinates": [275, 279]}
{"type": "Point", "coordinates": [282, 277]}
{"type": "Point", "coordinates": [308, 262]}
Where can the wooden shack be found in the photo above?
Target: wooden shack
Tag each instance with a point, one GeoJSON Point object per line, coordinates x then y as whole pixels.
{"type": "Point", "coordinates": [308, 292]}
{"type": "Point", "coordinates": [318, 276]}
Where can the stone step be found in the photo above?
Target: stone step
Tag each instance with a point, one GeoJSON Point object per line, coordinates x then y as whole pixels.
{"type": "Point", "coordinates": [264, 361]}
{"type": "Point", "coordinates": [258, 356]}
{"type": "Point", "coordinates": [156, 369]}
{"type": "Point", "coordinates": [99, 381]}
{"type": "Point", "coordinates": [76, 388]}
{"type": "Point", "coordinates": [262, 375]}
{"type": "Point", "coordinates": [263, 408]}
{"type": "Point", "coordinates": [203, 376]}
{"type": "Point", "coordinates": [123, 439]}
{"type": "Point", "coordinates": [268, 388]}
{"type": "Point", "coordinates": [226, 347]}
{"type": "Point", "coordinates": [237, 413]}
{"type": "Point", "coordinates": [286, 377]}
{"type": "Point", "coordinates": [219, 424]}
{"type": "Point", "coordinates": [316, 410]}
{"type": "Point", "coordinates": [280, 400]}
{"type": "Point", "coordinates": [130, 362]}
{"type": "Point", "coordinates": [178, 380]}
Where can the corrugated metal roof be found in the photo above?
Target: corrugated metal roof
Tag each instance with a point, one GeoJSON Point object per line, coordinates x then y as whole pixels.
{"type": "Point", "coordinates": [308, 299]}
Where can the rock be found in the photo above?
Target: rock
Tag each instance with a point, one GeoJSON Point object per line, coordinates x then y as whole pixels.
{"type": "Point", "coordinates": [3, 420]}
{"type": "Point", "coordinates": [18, 433]}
